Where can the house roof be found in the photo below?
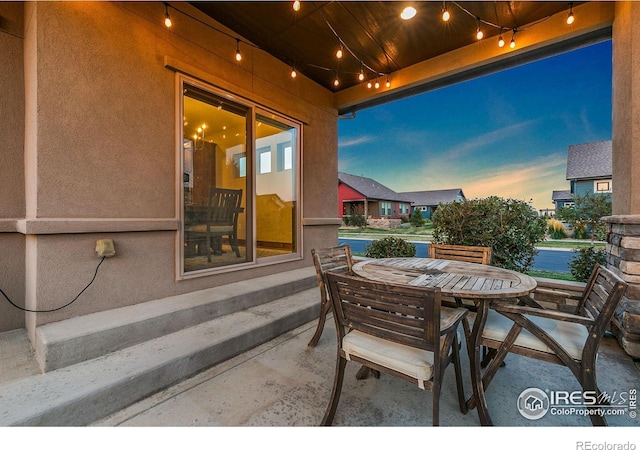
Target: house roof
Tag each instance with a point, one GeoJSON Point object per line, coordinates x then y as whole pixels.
{"type": "Point", "coordinates": [370, 188]}
{"type": "Point", "coordinates": [589, 161]}
{"type": "Point", "coordinates": [561, 196]}
{"type": "Point", "coordinates": [433, 198]}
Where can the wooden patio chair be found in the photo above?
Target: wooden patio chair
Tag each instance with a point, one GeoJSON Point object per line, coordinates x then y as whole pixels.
{"type": "Point", "coordinates": [468, 253]}
{"type": "Point", "coordinates": [571, 340]}
{"type": "Point", "coordinates": [398, 330]}
{"type": "Point", "coordinates": [331, 259]}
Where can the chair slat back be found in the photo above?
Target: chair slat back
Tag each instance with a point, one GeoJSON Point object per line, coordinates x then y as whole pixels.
{"type": "Point", "coordinates": [601, 297]}
{"type": "Point", "coordinates": [331, 259]}
{"type": "Point", "coordinates": [467, 253]}
{"type": "Point", "coordinates": [403, 314]}
{"type": "Point", "coordinates": [224, 206]}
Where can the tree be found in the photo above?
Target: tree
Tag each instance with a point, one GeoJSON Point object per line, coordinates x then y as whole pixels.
{"type": "Point", "coordinates": [588, 209]}
{"type": "Point", "coordinates": [417, 220]}
{"type": "Point", "coordinates": [510, 227]}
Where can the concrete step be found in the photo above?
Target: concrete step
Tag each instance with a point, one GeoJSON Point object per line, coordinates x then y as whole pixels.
{"type": "Point", "coordinates": [83, 338]}
{"type": "Point", "coordinates": [82, 393]}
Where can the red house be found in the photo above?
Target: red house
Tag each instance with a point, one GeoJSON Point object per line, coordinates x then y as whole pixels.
{"type": "Point", "coordinates": [365, 196]}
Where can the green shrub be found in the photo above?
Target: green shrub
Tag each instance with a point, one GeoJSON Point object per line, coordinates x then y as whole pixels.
{"type": "Point", "coordinates": [390, 247]}
{"type": "Point", "coordinates": [580, 230]}
{"type": "Point", "coordinates": [510, 227]}
{"type": "Point", "coordinates": [358, 220]}
{"type": "Point", "coordinates": [585, 260]}
{"type": "Point", "coordinates": [417, 220]}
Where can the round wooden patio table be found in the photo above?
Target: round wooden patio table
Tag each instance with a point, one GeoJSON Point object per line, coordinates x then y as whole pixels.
{"type": "Point", "coordinates": [462, 280]}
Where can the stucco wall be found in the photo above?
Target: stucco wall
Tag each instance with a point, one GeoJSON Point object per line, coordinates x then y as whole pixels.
{"type": "Point", "coordinates": [12, 200]}
{"type": "Point", "coordinates": [101, 149]}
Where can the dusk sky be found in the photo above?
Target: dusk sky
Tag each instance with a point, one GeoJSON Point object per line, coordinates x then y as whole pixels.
{"type": "Point", "coordinates": [504, 134]}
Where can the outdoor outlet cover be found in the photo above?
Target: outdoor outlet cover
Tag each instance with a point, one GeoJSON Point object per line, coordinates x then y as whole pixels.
{"type": "Point", "coordinates": [105, 248]}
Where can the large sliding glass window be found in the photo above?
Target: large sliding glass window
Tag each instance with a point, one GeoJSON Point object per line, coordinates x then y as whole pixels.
{"type": "Point", "coordinates": [240, 194]}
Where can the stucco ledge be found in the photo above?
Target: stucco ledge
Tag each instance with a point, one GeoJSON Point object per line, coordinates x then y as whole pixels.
{"type": "Point", "coordinates": [73, 226]}
{"type": "Point", "coordinates": [633, 219]}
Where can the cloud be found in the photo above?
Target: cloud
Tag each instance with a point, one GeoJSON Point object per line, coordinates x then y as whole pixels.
{"type": "Point", "coordinates": [492, 137]}
{"type": "Point", "coordinates": [354, 141]}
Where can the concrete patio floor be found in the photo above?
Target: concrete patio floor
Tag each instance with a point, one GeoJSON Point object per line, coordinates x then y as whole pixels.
{"type": "Point", "coordinates": [284, 383]}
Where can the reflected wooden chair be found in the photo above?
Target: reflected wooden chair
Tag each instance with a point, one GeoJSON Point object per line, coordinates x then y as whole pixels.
{"type": "Point", "coordinates": [571, 340]}
{"type": "Point", "coordinates": [330, 259]}
{"type": "Point", "coordinates": [398, 330]}
{"type": "Point", "coordinates": [223, 210]}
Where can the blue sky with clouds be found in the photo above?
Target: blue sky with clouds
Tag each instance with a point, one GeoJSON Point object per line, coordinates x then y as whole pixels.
{"type": "Point", "coordinates": [504, 134]}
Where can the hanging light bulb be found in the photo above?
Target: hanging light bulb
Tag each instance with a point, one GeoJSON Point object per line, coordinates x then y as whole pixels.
{"type": "Point", "coordinates": [238, 54]}
{"type": "Point", "coordinates": [570, 17]}
{"type": "Point", "coordinates": [408, 13]}
{"type": "Point", "coordinates": [445, 12]}
{"type": "Point", "coordinates": [167, 18]}
{"type": "Point", "coordinates": [512, 44]}
{"type": "Point", "coordinates": [377, 85]}
{"type": "Point", "coordinates": [500, 41]}
{"type": "Point", "coordinates": [369, 85]}
{"type": "Point", "coordinates": [388, 84]}
{"type": "Point", "coordinates": [336, 82]}
{"type": "Point", "coordinates": [361, 75]}
{"type": "Point", "coordinates": [296, 5]}
{"type": "Point", "coordinates": [339, 53]}
{"type": "Point", "coordinates": [293, 72]}
{"type": "Point", "coordinates": [479, 33]}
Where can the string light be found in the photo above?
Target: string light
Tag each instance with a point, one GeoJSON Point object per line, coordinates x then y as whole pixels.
{"type": "Point", "coordinates": [336, 81]}
{"type": "Point", "coordinates": [512, 44]}
{"type": "Point", "coordinates": [339, 53]}
{"type": "Point", "coordinates": [238, 54]}
{"type": "Point", "coordinates": [479, 33]}
{"type": "Point", "coordinates": [377, 85]}
{"type": "Point", "coordinates": [369, 85]}
{"type": "Point", "coordinates": [388, 84]}
{"type": "Point", "coordinates": [445, 13]}
{"type": "Point", "coordinates": [293, 72]}
{"type": "Point", "coordinates": [167, 19]}
{"type": "Point", "coordinates": [570, 17]}
{"type": "Point", "coordinates": [500, 40]}
{"type": "Point", "coordinates": [408, 13]}
{"type": "Point", "coordinates": [296, 5]}
{"type": "Point", "coordinates": [361, 75]}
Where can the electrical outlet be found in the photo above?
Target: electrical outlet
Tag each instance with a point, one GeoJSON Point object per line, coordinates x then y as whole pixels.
{"type": "Point", "coordinates": [105, 248]}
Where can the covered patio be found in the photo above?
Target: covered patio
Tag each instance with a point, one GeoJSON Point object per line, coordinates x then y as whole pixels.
{"type": "Point", "coordinates": [94, 143]}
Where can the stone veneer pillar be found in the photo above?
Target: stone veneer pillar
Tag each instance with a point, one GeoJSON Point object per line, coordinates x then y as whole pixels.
{"type": "Point", "coordinates": [623, 258]}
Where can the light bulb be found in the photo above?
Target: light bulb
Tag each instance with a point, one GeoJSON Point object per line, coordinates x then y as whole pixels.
{"type": "Point", "coordinates": [167, 19]}
{"type": "Point", "coordinates": [294, 73]}
{"type": "Point", "coordinates": [446, 15]}
{"type": "Point", "coordinates": [369, 85]}
{"type": "Point", "coordinates": [513, 43]}
{"type": "Point", "coordinates": [388, 84]}
{"type": "Point", "coordinates": [479, 34]}
{"type": "Point", "coordinates": [361, 76]}
{"type": "Point", "coordinates": [408, 13]}
{"type": "Point", "coordinates": [570, 18]}
{"type": "Point", "coordinates": [296, 5]}
{"type": "Point", "coordinates": [377, 85]}
{"type": "Point", "coordinates": [339, 53]}
{"type": "Point", "coordinates": [238, 55]}
{"type": "Point", "coordinates": [500, 42]}
{"type": "Point", "coordinates": [336, 82]}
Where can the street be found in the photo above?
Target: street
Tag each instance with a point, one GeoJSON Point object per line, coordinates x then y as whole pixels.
{"type": "Point", "coordinates": [551, 260]}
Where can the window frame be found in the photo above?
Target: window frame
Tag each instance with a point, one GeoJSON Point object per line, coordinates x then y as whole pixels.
{"type": "Point", "coordinates": [252, 171]}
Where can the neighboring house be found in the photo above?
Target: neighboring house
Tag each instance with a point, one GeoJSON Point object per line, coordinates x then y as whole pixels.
{"type": "Point", "coordinates": [427, 201]}
{"type": "Point", "coordinates": [361, 195]}
{"type": "Point", "coordinates": [589, 168]}
{"type": "Point", "coordinates": [561, 199]}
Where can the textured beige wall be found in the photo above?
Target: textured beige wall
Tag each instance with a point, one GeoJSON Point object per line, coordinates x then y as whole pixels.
{"type": "Point", "coordinates": [626, 114]}
{"type": "Point", "coordinates": [12, 199]}
{"type": "Point", "coordinates": [101, 148]}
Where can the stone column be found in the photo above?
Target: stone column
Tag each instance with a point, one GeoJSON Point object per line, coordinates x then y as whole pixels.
{"type": "Point", "coordinates": [623, 248]}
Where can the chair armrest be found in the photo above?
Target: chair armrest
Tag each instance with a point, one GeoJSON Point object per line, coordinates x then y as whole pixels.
{"type": "Point", "coordinates": [506, 307]}
{"type": "Point", "coordinates": [450, 318]}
